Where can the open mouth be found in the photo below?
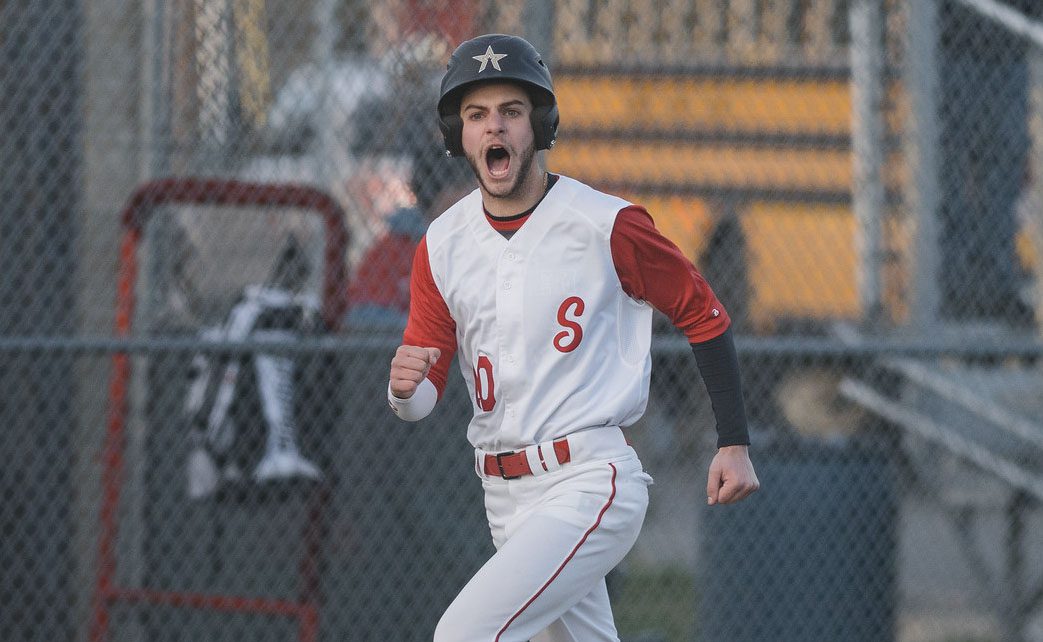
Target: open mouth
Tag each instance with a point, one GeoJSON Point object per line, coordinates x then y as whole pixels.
{"type": "Point", "coordinates": [498, 161]}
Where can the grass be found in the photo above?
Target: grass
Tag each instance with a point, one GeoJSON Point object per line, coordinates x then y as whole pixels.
{"type": "Point", "coordinates": [658, 604]}
{"type": "Point", "coordinates": [654, 604]}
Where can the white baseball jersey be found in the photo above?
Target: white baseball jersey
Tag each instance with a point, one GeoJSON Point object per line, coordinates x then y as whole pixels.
{"type": "Point", "coordinates": [550, 341]}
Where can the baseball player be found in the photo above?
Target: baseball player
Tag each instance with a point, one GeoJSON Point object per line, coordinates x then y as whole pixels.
{"type": "Point", "coordinates": [544, 288]}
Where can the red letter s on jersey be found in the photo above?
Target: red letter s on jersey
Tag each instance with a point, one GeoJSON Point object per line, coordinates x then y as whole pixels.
{"type": "Point", "coordinates": [564, 341]}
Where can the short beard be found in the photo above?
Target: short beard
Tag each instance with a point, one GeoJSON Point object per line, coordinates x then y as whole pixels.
{"type": "Point", "coordinates": [528, 156]}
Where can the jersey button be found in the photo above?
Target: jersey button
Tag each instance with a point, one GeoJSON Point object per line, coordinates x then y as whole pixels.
{"type": "Point", "coordinates": [506, 285]}
{"type": "Point", "coordinates": [510, 358]}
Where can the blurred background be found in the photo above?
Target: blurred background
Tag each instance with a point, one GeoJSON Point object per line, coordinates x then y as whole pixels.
{"type": "Point", "coordinates": [208, 213]}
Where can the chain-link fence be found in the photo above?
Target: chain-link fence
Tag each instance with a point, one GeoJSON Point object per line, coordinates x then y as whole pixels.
{"type": "Point", "coordinates": [209, 209]}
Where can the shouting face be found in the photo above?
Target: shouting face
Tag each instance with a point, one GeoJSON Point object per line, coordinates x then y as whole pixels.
{"type": "Point", "coordinates": [498, 142]}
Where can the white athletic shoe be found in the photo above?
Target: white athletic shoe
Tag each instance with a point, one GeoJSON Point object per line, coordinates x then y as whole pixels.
{"type": "Point", "coordinates": [283, 464]}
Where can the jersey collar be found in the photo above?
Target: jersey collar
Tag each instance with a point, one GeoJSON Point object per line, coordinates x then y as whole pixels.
{"type": "Point", "coordinates": [511, 224]}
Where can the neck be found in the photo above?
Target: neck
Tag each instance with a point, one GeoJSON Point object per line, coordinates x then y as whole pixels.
{"type": "Point", "coordinates": [532, 190]}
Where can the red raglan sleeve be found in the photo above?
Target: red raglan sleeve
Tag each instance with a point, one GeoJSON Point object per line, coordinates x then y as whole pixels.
{"type": "Point", "coordinates": [651, 268]}
{"type": "Point", "coordinates": [430, 324]}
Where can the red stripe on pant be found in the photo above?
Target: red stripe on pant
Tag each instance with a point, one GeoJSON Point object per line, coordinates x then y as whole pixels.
{"type": "Point", "coordinates": [583, 539]}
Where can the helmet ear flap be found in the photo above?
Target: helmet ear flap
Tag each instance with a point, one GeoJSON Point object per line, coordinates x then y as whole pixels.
{"type": "Point", "coordinates": [544, 125]}
{"type": "Point", "coordinates": [452, 127]}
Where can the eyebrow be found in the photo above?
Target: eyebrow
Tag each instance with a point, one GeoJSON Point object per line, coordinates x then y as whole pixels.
{"type": "Point", "coordinates": [509, 103]}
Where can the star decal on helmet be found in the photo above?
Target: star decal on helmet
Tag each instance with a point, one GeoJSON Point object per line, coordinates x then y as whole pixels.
{"type": "Point", "coordinates": [489, 57]}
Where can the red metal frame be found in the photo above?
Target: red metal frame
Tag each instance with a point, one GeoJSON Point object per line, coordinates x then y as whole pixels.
{"type": "Point", "coordinates": [134, 217]}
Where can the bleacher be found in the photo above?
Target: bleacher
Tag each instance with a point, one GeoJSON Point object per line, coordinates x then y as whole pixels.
{"type": "Point", "coordinates": [772, 149]}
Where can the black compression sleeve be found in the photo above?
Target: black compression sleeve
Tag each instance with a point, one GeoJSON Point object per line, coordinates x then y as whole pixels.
{"type": "Point", "coordinates": [719, 367]}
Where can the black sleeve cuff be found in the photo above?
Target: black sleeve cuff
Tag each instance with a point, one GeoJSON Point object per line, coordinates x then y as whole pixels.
{"type": "Point", "coordinates": [719, 367]}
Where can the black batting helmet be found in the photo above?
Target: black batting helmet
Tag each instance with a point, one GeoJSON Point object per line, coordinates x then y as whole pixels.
{"type": "Point", "coordinates": [497, 57]}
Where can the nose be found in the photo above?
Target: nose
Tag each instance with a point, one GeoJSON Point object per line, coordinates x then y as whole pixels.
{"type": "Point", "coordinates": [494, 123]}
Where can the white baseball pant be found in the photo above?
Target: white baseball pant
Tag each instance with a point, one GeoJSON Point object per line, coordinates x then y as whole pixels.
{"type": "Point", "coordinates": [557, 534]}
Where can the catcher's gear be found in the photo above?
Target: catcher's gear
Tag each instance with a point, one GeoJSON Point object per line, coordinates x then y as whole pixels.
{"type": "Point", "coordinates": [282, 458]}
{"type": "Point", "coordinates": [263, 313]}
{"type": "Point", "coordinates": [497, 58]}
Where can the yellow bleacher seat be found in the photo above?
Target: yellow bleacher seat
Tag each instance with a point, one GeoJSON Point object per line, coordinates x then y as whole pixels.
{"type": "Point", "coordinates": [685, 164]}
{"type": "Point", "coordinates": [671, 103]}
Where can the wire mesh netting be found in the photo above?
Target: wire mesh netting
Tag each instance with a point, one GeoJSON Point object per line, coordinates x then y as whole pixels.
{"type": "Point", "coordinates": [210, 210]}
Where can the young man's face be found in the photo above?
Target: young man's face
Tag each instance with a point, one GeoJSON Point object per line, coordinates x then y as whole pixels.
{"type": "Point", "coordinates": [497, 137]}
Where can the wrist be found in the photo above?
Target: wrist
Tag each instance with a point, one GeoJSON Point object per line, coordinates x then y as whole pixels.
{"type": "Point", "coordinates": [734, 448]}
{"type": "Point", "coordinates": [416, 406]}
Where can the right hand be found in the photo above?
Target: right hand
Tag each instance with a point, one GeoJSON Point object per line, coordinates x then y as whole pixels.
{"type": "Point", "coordinates": [409, 367]}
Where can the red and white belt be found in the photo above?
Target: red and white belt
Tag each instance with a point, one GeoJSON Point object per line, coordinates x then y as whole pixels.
{"type": "Point", "coordinates": [515, 463]}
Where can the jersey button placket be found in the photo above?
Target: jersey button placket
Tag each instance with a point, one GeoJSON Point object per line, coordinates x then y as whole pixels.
{"type": "Point", "coordinates": [510, 276]}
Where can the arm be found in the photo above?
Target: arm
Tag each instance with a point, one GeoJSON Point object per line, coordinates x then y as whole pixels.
{"type": "Point", "coordinates": [651, 268]}
{"type": "Point", "coordinates": [418, 370]}
{"type": "Point", "coordinates": [731, 475]}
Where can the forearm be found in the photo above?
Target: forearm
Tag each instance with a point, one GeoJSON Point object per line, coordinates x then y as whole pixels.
{"type": "Point", "coordinates": [719, 366]}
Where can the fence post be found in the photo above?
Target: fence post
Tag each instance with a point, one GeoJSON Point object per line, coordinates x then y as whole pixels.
{"type": "Point", "coordinates": [868, 141]}
{"type": "Point", "coordinates": [921, 149]}
{"type": "Point", "coordinates": [538, 16]}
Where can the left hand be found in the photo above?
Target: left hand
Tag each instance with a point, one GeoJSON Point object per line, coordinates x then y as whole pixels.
{"type": "Point", "coordinates": [732, 477]}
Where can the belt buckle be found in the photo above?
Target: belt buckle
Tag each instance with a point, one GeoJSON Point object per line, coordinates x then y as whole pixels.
{"type": "Point", "coordinates": [499, 464]}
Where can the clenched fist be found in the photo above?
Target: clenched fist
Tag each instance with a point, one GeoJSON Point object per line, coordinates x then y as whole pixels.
{"type": "Point", "coordinates": [731, 477]}
{"type": "Point", "coordinates": [409, 367]}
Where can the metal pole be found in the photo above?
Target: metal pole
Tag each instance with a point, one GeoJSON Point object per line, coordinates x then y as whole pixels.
{"type": "Point", "coordinates": [324, 18]}
{"type": "Point", "coordinates": [868, 133]}
{"type": "Point", "coordinates": [152, 103]}
{"type": "Point", "coordinates": [921, 150]}
{"type": "Point", "coordinates": [1013, 614]}
{"type": "Point", "coordinates": [1034, 193]}
{"type": "Point", "coordinates": [213, 52]}
{"type": "Point", "coordinates": [538, 18]}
